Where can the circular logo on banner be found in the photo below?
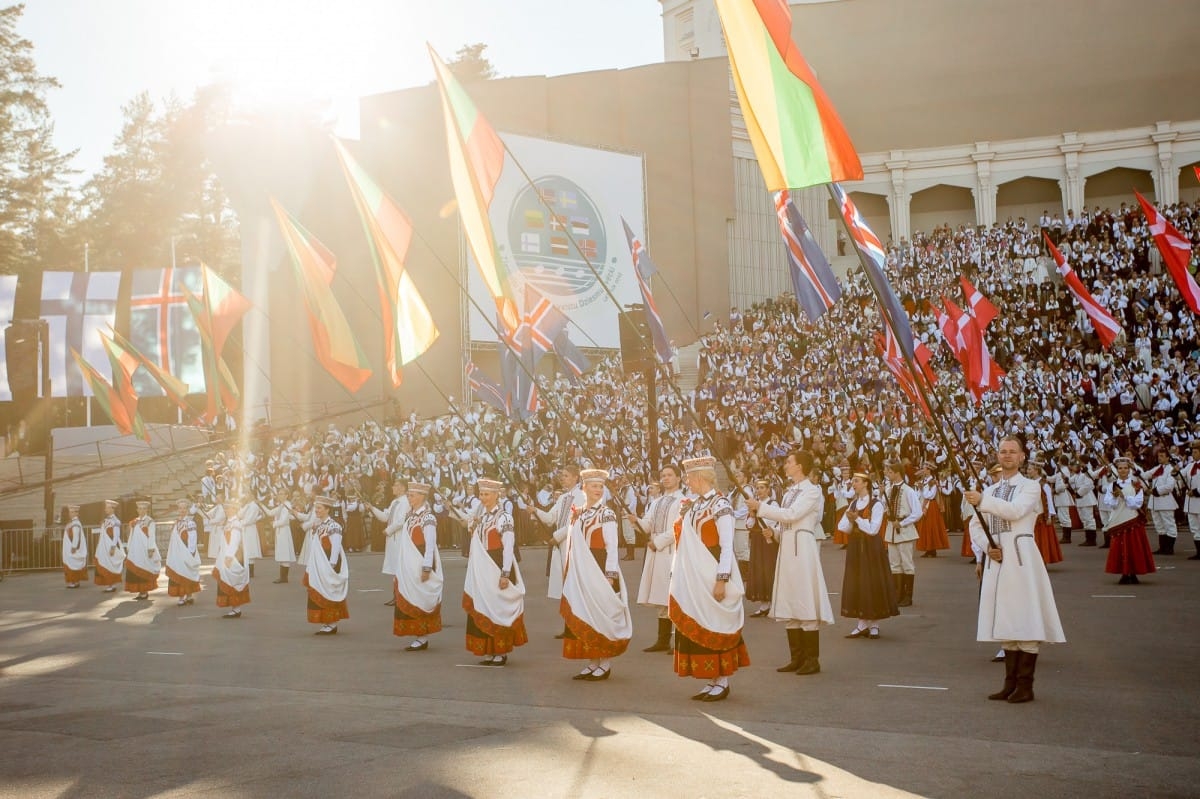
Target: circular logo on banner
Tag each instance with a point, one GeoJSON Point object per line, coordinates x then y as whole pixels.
{"type": "Point", "coordinates": [542, 223]}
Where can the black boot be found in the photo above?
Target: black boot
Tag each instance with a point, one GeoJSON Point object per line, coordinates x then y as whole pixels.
{"type": "Point", "coordinates": [1162, 546]}
{"type": "Point", "coordinates": [898, 580]}
{"type": "Point", "coordinates": [906, 590]}
{"type": "Point", "coordinates": [1196, 543]}
{"type": "Point", "coordinates": [1089, 538]}
{"type": "Point", "coordinates": [1107, 540]}
{"type": "Point", "coordinates": [664, 637]}
{"type": "Point", "coordinates": [1025, 669]}
{"type": "Point", "coordinates": [283, 570]}
{"type": "Point", "coordinates": [1170, 542]}
{"type": "Point", "coordinates": [1012, 657]}
{"type": "Point", "coordinates": [796, 648]}
{"type": "Point", "coordinates": [811, 664]}
{"type": "Point", "coordinates": [1066, 536]}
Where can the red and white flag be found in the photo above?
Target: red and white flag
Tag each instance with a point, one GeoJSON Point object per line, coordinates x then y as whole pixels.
{"type": "Point", "coordinates": [981, 307]}
{"type": "Point", "coordinates": [950, 333]}
{"type": "Point", "coordinates": [981, 372]}
{"type": "Point", "coordinates": [1106, 326]}
{"type": "Point", "coordinates": [1176, 251]}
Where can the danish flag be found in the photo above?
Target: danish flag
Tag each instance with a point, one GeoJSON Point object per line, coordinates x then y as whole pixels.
{"type": "Point", "coordinates": [1106, 326]}
{"type": "Point", "coordinates": [1176, 251]}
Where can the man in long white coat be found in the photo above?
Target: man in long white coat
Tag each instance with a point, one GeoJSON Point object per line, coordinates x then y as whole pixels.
{"type": "Point", "coordinates": [1016, 602]}
{"type": "Point", "coordinates": [74, 549]}
{"type": "Point", "coordinates": [659, 522]}
{"type": "Point", "coordinates": [799, 596]}
{"type": "Point", "coordinates": [394, 517]}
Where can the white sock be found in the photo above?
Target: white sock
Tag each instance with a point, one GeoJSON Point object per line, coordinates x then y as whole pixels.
{"type": "Point", "coordinates": [604, 665]}
{"type": "Point", "coordinates": [862, 625]}
{"type": "Point", "coordinates": [721, 683]}
{"type": "Point", "coordinates": [587, 669]}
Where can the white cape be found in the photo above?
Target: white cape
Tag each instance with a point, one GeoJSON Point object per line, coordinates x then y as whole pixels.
{"type": "Point", "coordinates": [692, 580]}
{"type": "Point", "coordinates": [322, 578]}
{"type": "Point", "coordinates": [179, 560]}
{"type": "Point", "coordinates": [482, 585]}
{"type": "Point", "coordinates": [426, 596]}
{"type": "Point", "coordinates": [234, 574]}
{"type": "Point", "coordinates": [74, 557]}
{"type": "Point", "coordinates": [590, 595]}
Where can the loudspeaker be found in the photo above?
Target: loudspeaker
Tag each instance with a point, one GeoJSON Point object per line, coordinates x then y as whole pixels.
{"type": "Point", "coordinates": [21, 355]}
{"type": "Point", "coordinates": [635, 341]}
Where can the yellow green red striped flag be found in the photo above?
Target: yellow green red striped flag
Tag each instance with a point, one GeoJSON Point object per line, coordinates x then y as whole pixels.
{"type": "Point", "coordinates": [796, 133]}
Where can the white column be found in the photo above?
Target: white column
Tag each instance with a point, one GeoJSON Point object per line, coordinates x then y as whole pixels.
{"type": "Point", "coordinates": [899, 200]}
{"type": "Point", "coordinates": [1166, 176]}
{"type": "Point", "coordinates": [985, 190]}
{"type": "Point", "coordinates": [1072, 183]}
{"type": "Point", "coordinates": [256, 324]}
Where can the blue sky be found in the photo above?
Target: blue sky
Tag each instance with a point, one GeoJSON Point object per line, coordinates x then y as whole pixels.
{"type": "Point", "coordinates": [105, 52]}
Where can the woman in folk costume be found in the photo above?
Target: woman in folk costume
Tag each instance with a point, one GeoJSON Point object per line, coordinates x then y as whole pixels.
{"type": "Point", "coordinates": [842, 492]}
{"type": "Point", "coordinates": [1129, 553]}
{"type": "Point", "coordinates": [183, 556]}
{"type": "Point", "coordinates": [493, 592]}
{"type": "Point", "coordinates": [327, 574]}
{"type": "Point", "coordinates": [143, 562]}
{"type": "Point", "coordinates": [355, 528]}
{"type": "Point", "coordinates": [594, 603]}
{"type": "Point", "coordinates": [110, 555]}
{"type": "Point", "coordinates": [868, 589]}
{"type": "Point", "coordinates": [931, 527]}
{"type": "Point", "coordinates": [418, 580]}
{"type": "Point", "coordinates": [1043, 529]}
{"type": "Point", "coordinates": [764, 551]}
{"type": "Point", "coordinates": [74, 549]}
{"type": "Point", "coordinates": [706, 589]}
{"type": "Point", "coordinates": [214, 523]}
{"type": "Point", "coordinates": [230, 571]}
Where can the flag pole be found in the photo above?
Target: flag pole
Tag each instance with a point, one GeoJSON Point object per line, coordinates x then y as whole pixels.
{"type": "Point", "coordinates": [645, 343]}
{"type": "Point", "coordinates": [917, 375]}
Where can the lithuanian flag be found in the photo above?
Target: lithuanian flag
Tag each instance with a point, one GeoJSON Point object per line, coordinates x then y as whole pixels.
{"type": "Point", "coordinates": [175, 389]}
{"type": "Point", "coordinates": [408, 325]}
{"type": "Point", "coordinates": [123, 366]}
{"type": "Point", "coordinates": [110, 401]}
{"type": "Point", "coordinates": [219, 385]}
{"type": "Point", "coordinates": [333, 340]}
{"type": "Point", "coordinates": [476, 159]}
{"type": "Point", "coordinates": [795, 131]}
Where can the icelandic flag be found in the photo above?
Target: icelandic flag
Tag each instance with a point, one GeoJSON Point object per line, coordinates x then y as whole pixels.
{"type": "Point", "coordinates": [812, 278]}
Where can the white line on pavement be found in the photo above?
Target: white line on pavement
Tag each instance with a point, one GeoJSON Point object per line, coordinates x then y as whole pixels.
{"type": "Point", "coordinates": [1114, 596]}
{"type": "Point", "coordinates": [917, 687]}
{"type": "Point", "coordinates": [193, 617]}
{"type": "Point", "coordinates": [164, 653]}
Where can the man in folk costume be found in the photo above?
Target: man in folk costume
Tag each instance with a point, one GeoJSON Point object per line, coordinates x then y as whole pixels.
{"type": "Point", "coordinates": [558, 519]}
{"type": "Point", "coordinates": [110, 555]}
{"type": "Point", "coordinates": [1129, 554]}
{"type": "Point", "coordinates": [1016, 602]}
{"type": "Point", "coordinates": [394, 518]}
{"type": "Point", "coordinates": [655, 586]}
{"type": "Point", "coordinates": [327, 576]}
{"type": "Point", "coordinates": [143, 562]}
{"type": "Point", "coordinates": [249, 514]}
{"type": "Point", "coordinates": [281, 523]}
{"type": "Point", "coordinates": [183, 556]}
{"type": "Point", "coordinates": [1064, 504]}
{"type": "Point", "coordinates": [214, 523]}
{"type": "Point", "coordinates": [418, 581]}
{"type": "Point", "coordinates": [903, 513]}
{"type": "Point", "coordinates": [706, 589]}
{"type": "Point", "coordinates": [1191, 505]}
{"type": "Point", "coordinates": [1083, 492]}
{"type": "Point", "coordinates": [493, 592]}
{"type": "Point", "coordinates": [594, 605]}
{"type": "Point", "coordinates": [230, 570]}
{"type": "Point", "coordinates": [1161, 502]}
{"type": "Point", "coordinates": [799, 596]}
{"type": "Point", "coordinates": [74, 549]}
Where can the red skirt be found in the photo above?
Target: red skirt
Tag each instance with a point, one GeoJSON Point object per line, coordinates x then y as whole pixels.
{"type": "Point", "coordinates": [178, 585]}
{"type": "Point", "coordinates": [105, 577]}
{"type": "Point", "coordinates": [485, 637]}
{"type": "Point", "coordinates": [228, 596]}
{"type": "Point", "coordinates": [1047, 541]}
{"type": "Point", "coordinates": [139, 581]}
{"type": "Point", "coordinates": [1129, 552]}
{"type": "Point", "coordinates": [839, 537]}
{"type": "Point", "coordinates": [75, 575]}
{"type": "Point", "coordinates": [931, 530]}
{"type": "Point", "coordinates": [408, 619]}
{"type": "Point", "coordinates": [582, 642]}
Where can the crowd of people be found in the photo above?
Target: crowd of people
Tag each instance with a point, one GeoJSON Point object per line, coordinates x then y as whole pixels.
{"type": "Point", "coordinates": [1107, 431]}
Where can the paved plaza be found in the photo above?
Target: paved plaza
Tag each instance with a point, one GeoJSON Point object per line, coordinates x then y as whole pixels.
{"type": "Point", "coordinates": [102, 696]}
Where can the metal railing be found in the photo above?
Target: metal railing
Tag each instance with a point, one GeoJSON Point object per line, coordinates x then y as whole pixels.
{"type": "Point", "coordinates": [40, 548]}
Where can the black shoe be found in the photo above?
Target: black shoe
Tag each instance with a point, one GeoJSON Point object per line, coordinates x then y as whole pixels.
{"type": "Point", "coordinates": [233, 614]}
{"type": "Point", "coordinates": [415, 647]}
{"type": "Point", "coordinates": [873, 635]}
{"type": "Point", "coordinates": [1133, 580]}
{"type": "Point", "coordinates": [503, 661]}
{"type": "Point", "coordinates": [583, 675]}
{"type": "Point", "coordinates": [863, 633]}
{"type": "Point", "coordinates": [999, 659]}
{"type": "Point", "coordinates": [487, 662]}
{"type": "Point", "coordinates": [1124, 580]}
{"type": "Point", "coordinates": [597, 676]}
{"type": "Point", "coordinates": [323, 631]}
{"type": "Point", "coordinates": [390, 603]}
{"type": "Point", "coordinates": [718, 696]}
{"type": "Point", "coordinates": [758, 614]}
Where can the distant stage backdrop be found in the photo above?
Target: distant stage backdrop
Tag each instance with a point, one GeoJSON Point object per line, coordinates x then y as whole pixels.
{"type": "Point", "coordinates": [589, 190]}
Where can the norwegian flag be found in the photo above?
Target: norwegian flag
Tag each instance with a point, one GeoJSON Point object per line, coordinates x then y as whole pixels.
{"type": "Point", "coordinates": [812, 278]}
{"type": "Point", "coordinates": [894, 360]}
{"type": "Point", "coordinates": [1106, 326]}
{"type": "Point", "coordinates": [643, 270]}
{"type": "Point", "coordinates": [544, 320]}
{"type": "Point", "coordinates": [874, 261]}
{"type": "Point", "coordinates": [1176, 251]}
{"type": "Point", "coordinates": [981, 307]}
{"type": "Point", "coordinates": [950, 332]}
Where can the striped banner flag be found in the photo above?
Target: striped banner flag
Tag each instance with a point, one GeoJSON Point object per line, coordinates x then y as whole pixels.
{"type": "Point", "coordinates": [162, 328]}
{"type": "Point", "coordinates": [643, 270]}
{"type": "Point", "coordinates": [813, 280]}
